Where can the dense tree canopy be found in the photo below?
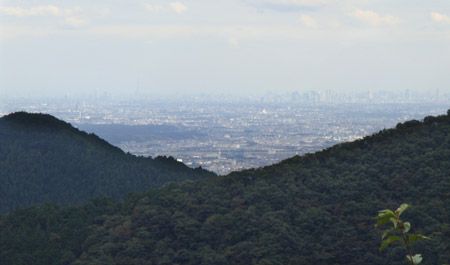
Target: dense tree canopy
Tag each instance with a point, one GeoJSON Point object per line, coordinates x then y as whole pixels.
{"type": "Point", "coordinates": [43, 159]}
{"type": "Point", "coordinates": [314, 209]}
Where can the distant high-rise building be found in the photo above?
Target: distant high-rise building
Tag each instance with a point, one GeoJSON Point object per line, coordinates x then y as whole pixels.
{"type": "Point", "coordinates": [323, 97]}
{"type": "Point", "coordinates": [328, 95]}
{"type": "Point", "coordinates": [294, 96]}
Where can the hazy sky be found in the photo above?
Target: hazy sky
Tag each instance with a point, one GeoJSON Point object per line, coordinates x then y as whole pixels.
{"type": "Point", "coordinates": [77, 47]}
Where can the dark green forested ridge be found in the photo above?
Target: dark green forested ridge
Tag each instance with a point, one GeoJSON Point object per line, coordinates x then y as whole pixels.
{"type": "Point", "coordinates": [314, 209]}
{"type": "Point", "coordinates": [46, 159]}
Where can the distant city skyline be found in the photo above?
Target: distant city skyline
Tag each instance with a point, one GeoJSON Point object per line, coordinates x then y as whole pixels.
{"type": "Point", "coordinates": [79, 48]}
{"type": "Point", "coordinates": [227, 134]}
{"type": "Point", "coordinates": [296, 96]}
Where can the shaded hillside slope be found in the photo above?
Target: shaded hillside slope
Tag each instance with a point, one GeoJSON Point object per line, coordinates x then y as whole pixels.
{"type": "Point", "coordinates": [314, 209]}
{"type": "Point", "coordinates": [46, 159]}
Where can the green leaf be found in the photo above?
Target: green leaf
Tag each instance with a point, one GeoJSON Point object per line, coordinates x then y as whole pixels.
{"type": "Point", "coordinates": [416, 259]}
{"type": "Point", "coordinates": [385, 213]}
{"type": "Point", "coordinates": [383, 221]}
{"type": "Point", "coordinates": [406, 227]}
{"type": "Point", "coordinates": [394, 221]}
{"type": "Point", "coordinates": [388, 241]}
{"type": "Point", "coordinates": [402, 208]}
{"type": "Point", "coordinates": [413, 237]}
{"type": "Point", "coordinates": [387, 232]}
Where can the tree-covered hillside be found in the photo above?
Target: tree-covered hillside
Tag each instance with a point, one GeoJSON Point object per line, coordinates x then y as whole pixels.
{"type": "Point", "coordinates": [45, 159]}
{"type": "Point", "coordinates": [314, 209]}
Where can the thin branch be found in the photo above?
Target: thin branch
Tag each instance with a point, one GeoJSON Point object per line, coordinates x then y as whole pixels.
{"type": "Point", "coordinates": [407, 247]}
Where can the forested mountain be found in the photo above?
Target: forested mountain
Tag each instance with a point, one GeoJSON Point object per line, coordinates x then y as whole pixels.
{"type": "Point", "coordinates": [45, 159]}
{"type": "Point", "coordinates": [314, 209]}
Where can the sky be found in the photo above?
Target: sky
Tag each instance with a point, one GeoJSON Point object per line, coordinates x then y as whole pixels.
{"type": "Point", "coordinates": [69, 47]}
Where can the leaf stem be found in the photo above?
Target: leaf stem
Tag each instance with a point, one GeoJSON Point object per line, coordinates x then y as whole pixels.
{"type": "Point", "coordinates": [407, 247]}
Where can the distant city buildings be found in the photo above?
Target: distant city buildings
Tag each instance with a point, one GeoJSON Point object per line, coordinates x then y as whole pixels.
{"type": "Point", "coordinates": [223, 133]}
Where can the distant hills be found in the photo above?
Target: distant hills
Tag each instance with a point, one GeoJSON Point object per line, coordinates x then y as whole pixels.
{"type": "Point", "coordinates": [43, 159]}
{"type": "Point", "coordinates": [313, 209]}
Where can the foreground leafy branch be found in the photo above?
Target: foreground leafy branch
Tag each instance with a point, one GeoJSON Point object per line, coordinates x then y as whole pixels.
{"type": "Point", "coordinates": [400, 229]}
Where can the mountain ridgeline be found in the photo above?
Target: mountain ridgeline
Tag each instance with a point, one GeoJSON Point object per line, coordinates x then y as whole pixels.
{"type": "Point", "coordinates": [313, 209]}
{"type": "Point", "coordinates": [43, 159]}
